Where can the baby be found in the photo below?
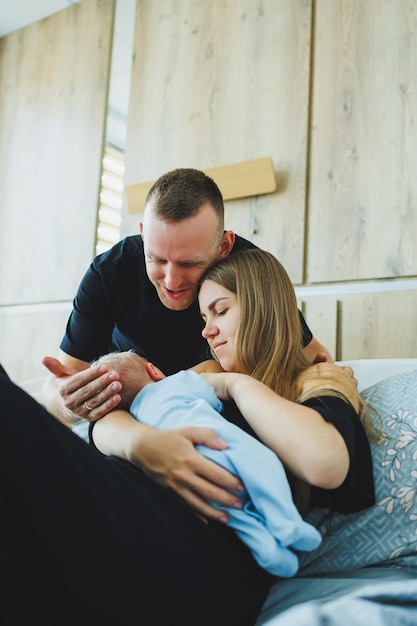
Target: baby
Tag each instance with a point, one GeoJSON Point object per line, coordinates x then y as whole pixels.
{"type": "Point", "coordinates": [269, 523]}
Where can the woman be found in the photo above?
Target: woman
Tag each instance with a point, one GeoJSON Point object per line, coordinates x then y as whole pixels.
{"type": "Point", "coordinates": [312, 416]}
{"type": "Point", "coordinates": [268, 521]}
{"type": "Point", "coordinates": [87, 535]}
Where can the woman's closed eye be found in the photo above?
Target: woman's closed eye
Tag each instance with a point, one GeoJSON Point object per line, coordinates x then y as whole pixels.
{"type": "Point", "coordinates": [214, 313]}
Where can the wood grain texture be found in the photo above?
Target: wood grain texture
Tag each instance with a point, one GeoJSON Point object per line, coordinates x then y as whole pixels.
{"type": "Point", "coordinates": [37, 331]}
{"type": "Point", "coordinates": [364, 325]}
{"type": "Point", "coordinates": [321, 315]}
{"type": "Point", "coordinates": [53, 94]}
{"type": "Point", "coordinates": [225, 82]}
{"type": "Point", "coordinates": [238, 180]}
{"type": "Point", "coordinates": [379, 325]}
{"type": "Point", "coordinates": [363, 159]}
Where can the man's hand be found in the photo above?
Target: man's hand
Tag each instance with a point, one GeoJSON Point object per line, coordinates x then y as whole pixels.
{"type": "Point", "coordinates": [349, 371]}
{"type": "Point", "coordinates": [87, 394]}
{"type": "Point", "coordinates": [323, 357]}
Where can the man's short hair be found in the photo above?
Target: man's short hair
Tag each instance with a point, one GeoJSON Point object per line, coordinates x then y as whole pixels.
{"type": "Point", "coordinates": [179, 194]}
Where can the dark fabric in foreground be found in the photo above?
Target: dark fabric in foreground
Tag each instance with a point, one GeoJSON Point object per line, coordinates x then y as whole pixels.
{"type": "Point", "coordinates": [91, 539]}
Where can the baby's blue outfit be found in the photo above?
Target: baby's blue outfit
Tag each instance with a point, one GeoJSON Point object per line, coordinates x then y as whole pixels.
{"type": "Point", "coordinates": [269, 522]}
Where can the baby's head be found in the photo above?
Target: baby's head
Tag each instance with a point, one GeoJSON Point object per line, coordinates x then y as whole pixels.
{"type": "Point", "coordinates": [135, 372]}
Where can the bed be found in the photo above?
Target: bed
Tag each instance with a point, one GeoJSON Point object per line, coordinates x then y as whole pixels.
{"type": "Point", "coordinates": [365, 570]}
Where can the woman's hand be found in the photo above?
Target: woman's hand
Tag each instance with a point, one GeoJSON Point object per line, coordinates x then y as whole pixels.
{"type": "Point", "coordinates": [170, 458]}
{"type": "Point", "coordinates": [221, 383]}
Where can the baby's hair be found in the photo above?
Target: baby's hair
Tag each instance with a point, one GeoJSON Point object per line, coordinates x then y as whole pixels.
{"type": "Point", "coordinates": [132, 378]}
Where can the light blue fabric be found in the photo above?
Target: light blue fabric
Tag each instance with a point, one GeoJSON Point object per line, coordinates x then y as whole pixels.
{"type": "Point", "coordinates": [269, 522]}
{"type": "Point", "coordinates": [385, 534]}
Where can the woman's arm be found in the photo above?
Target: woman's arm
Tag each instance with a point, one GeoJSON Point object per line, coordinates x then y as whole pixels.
{"type": "Point", "coordinates": [211, 365]}
{"type": "Point", "coordinates": [310, 447]}
{"type": "Point", "coordinates": [170, 458]}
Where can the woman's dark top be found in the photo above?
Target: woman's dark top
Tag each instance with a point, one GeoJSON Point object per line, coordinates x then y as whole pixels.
{"type": "Point", "coordinates": [357, 490]}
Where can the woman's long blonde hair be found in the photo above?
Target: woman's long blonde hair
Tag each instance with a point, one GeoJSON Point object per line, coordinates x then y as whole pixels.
{"type": "Point", "coordinates": [269, 339]}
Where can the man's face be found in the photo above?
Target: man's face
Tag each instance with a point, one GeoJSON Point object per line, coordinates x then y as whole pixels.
{"type": "Point", "coordinates": [177, 253]}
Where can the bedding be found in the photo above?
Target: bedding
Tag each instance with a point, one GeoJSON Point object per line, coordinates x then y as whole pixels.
{"type": "Point", "coordinates": [368, 372]}
{"type": "Point", "coordinates": [386, 604]}
{"type": "Point", "coordinates": [387, 531]}
{"type": "Point", "coordinates": [378, 545]}
{"type": "Point", "coordinates": [365, 570]}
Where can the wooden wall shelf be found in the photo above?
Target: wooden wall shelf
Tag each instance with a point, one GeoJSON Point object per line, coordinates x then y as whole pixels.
{"type": "Point", "coordinates": [239, 180]}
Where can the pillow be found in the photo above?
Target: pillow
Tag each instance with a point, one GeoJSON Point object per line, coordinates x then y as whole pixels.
{"type": "Point", "coordinates": [386, 533]}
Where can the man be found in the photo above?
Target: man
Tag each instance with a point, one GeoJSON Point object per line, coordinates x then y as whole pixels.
{"type": "Point", "coordinates": [141, 295]}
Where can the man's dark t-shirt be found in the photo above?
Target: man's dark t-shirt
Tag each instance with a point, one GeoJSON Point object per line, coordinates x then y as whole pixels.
{"type": "Point", "coordinates": [117, 308]}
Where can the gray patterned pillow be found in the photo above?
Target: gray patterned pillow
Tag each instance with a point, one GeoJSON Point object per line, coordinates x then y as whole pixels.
{"type": "Point", "coordinates": [387, 532]}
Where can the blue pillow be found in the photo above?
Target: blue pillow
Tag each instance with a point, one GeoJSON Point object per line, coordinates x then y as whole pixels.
{"type": "Point", "coordinates": [386, 533]}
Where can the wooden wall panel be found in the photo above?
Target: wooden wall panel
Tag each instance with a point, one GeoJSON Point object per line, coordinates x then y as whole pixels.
{"type": "Point", "coordinates": [54, 78]}
{"type": "Point", "coordinates": [215, 83]}
{"type": "Point", "coordinates": [321, 315]}
{"type": "Point", "coordinates": [364, 325]}
{"type": "Point", "coordinates": [28, 333]}
{"type": "Point", "coordinates": [379, 325]}
{"type": "Point", "coordinates": [363, 187]}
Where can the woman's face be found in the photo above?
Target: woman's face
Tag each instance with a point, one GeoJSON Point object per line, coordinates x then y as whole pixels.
{"type": "Point", "coordinates": [220, 310]}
